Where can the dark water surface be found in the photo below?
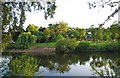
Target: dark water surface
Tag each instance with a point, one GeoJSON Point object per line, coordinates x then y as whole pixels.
{"type": "Point", "coordinates": [83, 64]}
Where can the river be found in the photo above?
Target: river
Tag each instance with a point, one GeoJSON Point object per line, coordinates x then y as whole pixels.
{"type": "Point", "coordinates": [82, 64]}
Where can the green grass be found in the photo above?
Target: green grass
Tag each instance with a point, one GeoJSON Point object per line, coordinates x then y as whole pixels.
{"type": "Point", "coordinates": [44, 45]}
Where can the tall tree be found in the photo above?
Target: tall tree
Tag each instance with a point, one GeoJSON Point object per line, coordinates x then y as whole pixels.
{"type": "Point", "coordinates": [46, 34]}
{"type": "Point", "coordinates": [114, 29]}
{"type": "Point", "coordinates": [33, 29]}
{"type": "Point", "coordinates": [106, 35]}
{"type": "Point", "coordinates": [100, 30]}
{"type": "Point", "coordinates": [13, 14]}
{"type": "Point", "coordinates": [58, 28]}
{"type": "Point", "coordinates": [82, 33]}
{"type": "Point", "coordinates": [93, 32]}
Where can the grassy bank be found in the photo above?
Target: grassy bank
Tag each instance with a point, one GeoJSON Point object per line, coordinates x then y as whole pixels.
{"type": "Point", "coordinates": [102, 47]}
{"type": "Point", "coordinates": [66, 46]}
{"type": "Point", "coordinates": [44, 45]}
{"type": "Point", "coordinates": [87, 46]}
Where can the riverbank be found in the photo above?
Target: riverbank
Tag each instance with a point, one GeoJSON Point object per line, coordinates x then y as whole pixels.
{"type": "Point", "coordinates": [83, 46]}
{"type": "Point", "coordinates": [35, 50]}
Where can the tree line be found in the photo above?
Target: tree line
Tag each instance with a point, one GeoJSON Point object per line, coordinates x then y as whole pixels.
{"type": "Point", "coordinates": [61, 30]}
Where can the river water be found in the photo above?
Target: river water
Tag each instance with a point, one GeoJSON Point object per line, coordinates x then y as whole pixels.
{"type": "Point", "coordinates": [83, 64]}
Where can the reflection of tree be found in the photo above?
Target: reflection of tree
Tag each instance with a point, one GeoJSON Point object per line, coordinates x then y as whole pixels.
{"type": "Point", "coordinates": [61, 63]}
{"type": "Point", "coordinates": [101, 64]}
{"type": "Point", "coordinates": [23, 65]}
{"type": "Point", "coordinates": [63, 68]}
{"type": "Point", "coordinates": [105, 67]}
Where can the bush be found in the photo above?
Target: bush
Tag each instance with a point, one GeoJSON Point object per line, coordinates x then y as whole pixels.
{"type": "Point", "coordinates": [83, 47]}
{"type": "Point", "coordinates": [110, 47]}
{"type": "Point", "coordinates": [66, 46]}
{"type": "Point", "coordinates": [25, 40]}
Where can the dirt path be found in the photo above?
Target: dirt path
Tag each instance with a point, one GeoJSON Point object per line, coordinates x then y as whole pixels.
{"type": "Point", "coordinates": [36, 50]}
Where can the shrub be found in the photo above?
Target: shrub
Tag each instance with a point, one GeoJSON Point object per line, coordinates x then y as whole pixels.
{"type": "Point", "coordinates": [83, 47]}
{"type": "Point", "coordinates": [109, 47]}
{"type": "Point", "coordinates": [66, 46]}
{"type": "Point", "coordinates": [25, 40]}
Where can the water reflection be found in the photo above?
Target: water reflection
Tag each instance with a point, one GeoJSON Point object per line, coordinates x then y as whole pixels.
{"type": "Point", "coordinates": [106, 66]}
{"type": "Point", "coordinates": [4, 68]}
{"type": "Point", "coordinates": [84, 64]}
{"type": "Point", "coordinates": [23, 65]}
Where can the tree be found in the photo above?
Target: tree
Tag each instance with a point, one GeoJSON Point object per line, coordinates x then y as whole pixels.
{"type": "Point", "coordinates": [33, 29]}
{"type": "Point", "coordinates": [13, 13]}
{"type": "Point", "coordinates": [59, 37]}
{"type": "Point", "coordinates": [53, 29]}
{"type": "Point", "coordinates": [103, 3]}
{"type": "Point", "coordinates": [106, 35]}
{"type": "Point", "coordinates": [46, 35]}
{"type": "Point", "coordinates": [69, 33]}
{"type": "Point", "coordinates": [58, 28]}
{"type": "Point", "coordinates": [93, 32]}
{"type": "Point", "coordinates": [114, 29]}
{"type": "Point", "coordinates": [25, 40]}
{"type": "Point", "coordinates": [99, 34]}
{"type": "Point", "coordinates": [82, 33]}
{"type": "Point", "coordinates": [62, 27]}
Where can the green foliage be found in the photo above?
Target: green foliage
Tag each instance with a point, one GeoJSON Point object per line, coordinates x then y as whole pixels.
{"type": "Point", "coordinates": [59, 37]}
{"type": "Point", "coordinates": [39, 36]}
{"type": "Point", "coordinates": [97, 33]}
{"type": "Point", "coordinates": [66, 46]}
{"type": "Point", "coordinates": [46, 34]}
{"type": "Point", "coordinates": [25, 40]}
{"type": "Point", "coordinates": [24, 65]}
{"type": "Point", "coordinates": [33, 29]}
{"type": "Point", "coordinates": [108, 47]}
{"type": "Point", "coordinates": [114, 29]}
{"type": "Point", "coordinates": [13, 14]}
{"type": "Point", "coordinates": [106, 35]}
{"type": "Point", "coordinates": [82, 33]}
{"type": "Point", "coordinates": [6, 40]}
{"type": "Point", "coordinates": [56, 29]}
{"type": "Point", "coordinates": [83, 47]}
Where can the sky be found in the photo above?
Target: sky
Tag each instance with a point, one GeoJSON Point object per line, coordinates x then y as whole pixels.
{"type": "Point", "coordinates": [75, 13]}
